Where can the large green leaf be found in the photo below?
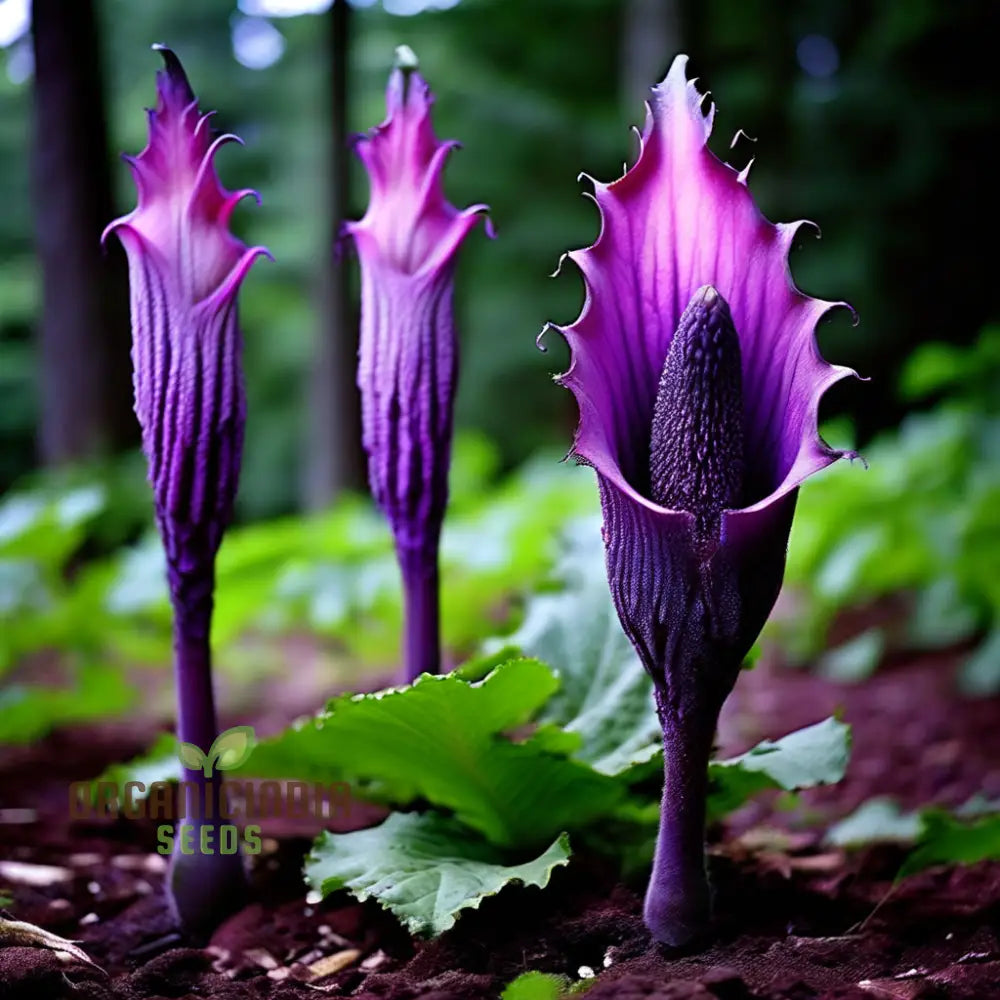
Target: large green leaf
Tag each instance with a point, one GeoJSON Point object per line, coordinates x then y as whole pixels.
{"type": "Point", "coordinates": [425, 868]}
{"type": "Point", "coordinates": [815, 755]}
{"type": "Point", "coordinates": [28, 712]}
{"type": "Point", "coordinates": [877, 820]}
{"type": "Point", "coordinates": [444, 740]}
{"type": "Point", "coordinates": [604, 694]}
{"type": "Point", "coordinates": [948, 840]}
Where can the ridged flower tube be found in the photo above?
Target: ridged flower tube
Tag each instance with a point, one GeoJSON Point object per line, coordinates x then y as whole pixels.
{"type": "Point", "coordinates": [185, 269]}
{"type": "Point", "coordinates": [407, 243]}
{"type": "Point", "coordinates": [698, 379]}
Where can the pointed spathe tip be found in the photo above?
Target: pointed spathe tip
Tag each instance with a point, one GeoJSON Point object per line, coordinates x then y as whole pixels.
{"type": "Point", "coordinates": [175, 75]}
{"type": "Point", "coordinates": [405, 59]}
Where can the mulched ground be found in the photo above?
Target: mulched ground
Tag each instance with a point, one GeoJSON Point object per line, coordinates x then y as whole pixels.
{"type": "Point", "coordinates": [795, 920]}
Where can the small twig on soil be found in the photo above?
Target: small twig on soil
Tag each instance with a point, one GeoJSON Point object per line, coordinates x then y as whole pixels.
{"type": "Point", "coordinates": [878, 906]}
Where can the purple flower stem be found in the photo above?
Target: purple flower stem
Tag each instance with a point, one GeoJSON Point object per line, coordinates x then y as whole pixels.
{"type": "Point", "coordinates": [678, 902]}
{"type": "Point", "coordinates": [421, 613]}
{"type": "Point", "coordinates": [204, 886]}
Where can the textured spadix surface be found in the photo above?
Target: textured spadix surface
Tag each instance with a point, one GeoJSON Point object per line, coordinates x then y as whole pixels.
{"type": "Point", "coordinates": [407, 243]}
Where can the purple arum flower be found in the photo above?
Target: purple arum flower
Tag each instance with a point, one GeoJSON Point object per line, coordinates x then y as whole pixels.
{"type": "Point", "coordinates": [407, 243]}
{"type": "Point", "coordinates": [698, 380]}
{"type": "Point", "coordinates": [185, 269]}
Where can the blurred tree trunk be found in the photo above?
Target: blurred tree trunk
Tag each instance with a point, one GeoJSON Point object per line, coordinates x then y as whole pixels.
{"type": "Point", "coordinates": [651, 37]}
{"type": "Point", "coordinates": [335, 460]}
{"type": "Point", "coordinates": [85, 371]}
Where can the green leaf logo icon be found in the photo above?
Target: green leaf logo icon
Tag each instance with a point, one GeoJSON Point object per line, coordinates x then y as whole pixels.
{"type": "Point", "coordinates": [192, 757]}
{"type": "Point", "coordinates": [230, 749]}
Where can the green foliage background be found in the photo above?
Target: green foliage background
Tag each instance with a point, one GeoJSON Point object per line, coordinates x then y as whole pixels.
{"type": "Point", "coordinates": [882, 154]}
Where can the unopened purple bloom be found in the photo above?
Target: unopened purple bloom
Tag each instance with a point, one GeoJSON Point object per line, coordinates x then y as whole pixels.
{"type": "Point", "coordinates": [698, 379]}
{"type": "Point", "coordinates": [185, 269]}
{"type": "Point", "coordinates": [407, 243]}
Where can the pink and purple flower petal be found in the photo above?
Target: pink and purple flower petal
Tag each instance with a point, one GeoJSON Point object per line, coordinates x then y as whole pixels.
{"type": "Point", "coordinates": [407, 244]}
{"type": "Point", "coordinates": [185, 270]}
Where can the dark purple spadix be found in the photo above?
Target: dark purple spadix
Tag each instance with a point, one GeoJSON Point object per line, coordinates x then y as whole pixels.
{"type": "Point", "coordinates": [407, 244]}
{"type": "Point", "coordinates": [185, 269]}
{"type": "Point", "coordinates": [698, 380]}
{"type": "Point", "coordinates": [696, 446]}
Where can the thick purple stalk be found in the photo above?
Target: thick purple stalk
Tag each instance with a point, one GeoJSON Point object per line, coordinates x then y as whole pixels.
{"type": "Point", "coordinates": [407, 243]}
{"type": "Point", "coordinates": [678, 899]}
{"type": "Point", "coordinates": [203, 887]}
{"type": "Point", "coordinates": [421, 613]}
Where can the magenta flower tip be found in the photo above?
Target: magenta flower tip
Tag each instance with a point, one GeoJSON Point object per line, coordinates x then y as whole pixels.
{"type": "Point", "coordinates": [184, 211]}
{"type": "Point", "coordinates": [409, 222]}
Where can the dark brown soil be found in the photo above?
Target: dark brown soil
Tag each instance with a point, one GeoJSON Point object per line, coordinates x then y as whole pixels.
{"type": "Point", "coordinates": [795, 920]}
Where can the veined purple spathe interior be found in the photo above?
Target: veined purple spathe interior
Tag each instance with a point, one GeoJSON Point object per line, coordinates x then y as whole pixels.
{"type": "Point", "coordinates": [677, 220]}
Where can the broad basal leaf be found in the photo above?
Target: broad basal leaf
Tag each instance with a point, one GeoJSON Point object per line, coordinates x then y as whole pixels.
{"type": "Point", "coordinates": [445, 740]}
{"type": "Point", "coordinates": [815, 755]}
{"type": "Point", "coordinates": [951, 840]}
{"type": "Point", "coordinates": [424, 868]}
{"type": "Point", "coordinates": [878, 820]}
{"type": "Point", "coordinates": [604, 694]}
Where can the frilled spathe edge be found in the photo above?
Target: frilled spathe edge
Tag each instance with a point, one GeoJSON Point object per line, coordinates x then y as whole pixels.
{"type": "Point", "coordinates": [183, 211]}
{"type": "Point", "coordinates": [744, 262]}
{"type": "Point", "coordinates": [409, 223]}
{"type": "Point", "coordinates": [134, 241]}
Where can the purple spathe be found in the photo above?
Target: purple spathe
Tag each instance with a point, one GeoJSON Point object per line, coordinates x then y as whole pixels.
{"type": "Point", "coordinates": [185, 269]}
{"type": "Point", "coordinates": [407, 243]}
{"type": "Point", "coordinates": [685, 253]}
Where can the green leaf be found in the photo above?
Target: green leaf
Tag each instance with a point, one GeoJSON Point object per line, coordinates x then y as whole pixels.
{"type": "Point", "coordinates": [536, 986]}
{"type": "Point", "coordinates": [158, 763]}
{"type": "Point", "coordinates": [443, 740]}
{"type": "Point", "coordinates": [980, 673]}
{"type": "Point", "coordinates": [947, 840]}
{"type": "Point", "coordinates": [191, 756]}
{"type": "Point", "coordinates": [232, 748]}
{"type": "Point", "coordinates": [854, 660]}
{"type": "Point", "coordinates": [425, 868]}
{"type": "Point", "coordinates": [815, 755]}
{"type": "Point", "coordinates": [605, 695]}
{"type": "Point", "coordinates": [941, 616]}
{"type": "Point", "coordinates": [28, 713]}
{"type": "Point", "coordinates": [878, 820]}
